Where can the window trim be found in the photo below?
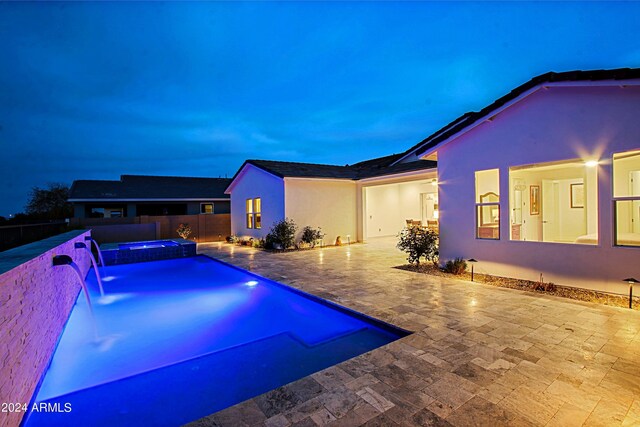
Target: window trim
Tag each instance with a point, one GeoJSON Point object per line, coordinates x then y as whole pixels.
{"type": "Point", "coordinates": [615, 199]}
{"type": "Point", "coordinates": [251, 213]}
{"type": "Point", "coordinates": [477, 227]}
{"type": "Point", "coordinates": [576, 160]}
{"type": "Point", "coordinates": [479, 204]}
{"type": "Point", "coordinates": [248, 207]}
{"type": "Point", "coordinates": [257, 213]}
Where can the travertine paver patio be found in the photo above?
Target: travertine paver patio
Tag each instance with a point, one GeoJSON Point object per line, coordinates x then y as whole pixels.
{"type": "Point", "coordinates": [480, 355]}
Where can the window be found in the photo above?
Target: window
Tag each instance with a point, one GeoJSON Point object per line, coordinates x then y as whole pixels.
{"type": "Point", "coordinates": [257, 212]}
{"type": "Point", "coordinates": [113, 213]}
{"type": "Point", "coordinates": [626, 198]}
{"type": "Point", "coordinates": [249, 213]}
{"type": "Point", "coordinates": [488, 204]}
{"type": "Point", "coordinates": [206, 208]}
{"type": "Point", "coordinates": [254, 213]}
{"type": "Point", "coordinates": [554, 202]}
{"type": "Point", "coordinates": [97, 213]}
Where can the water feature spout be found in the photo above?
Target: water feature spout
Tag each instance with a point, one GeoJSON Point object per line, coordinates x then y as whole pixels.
{"type": "Point", "coordinates": [80, 245]}
{"type": "Point", "coordinates": [59, 260]}
{"type": "Point", "coordinates": [89, 238]}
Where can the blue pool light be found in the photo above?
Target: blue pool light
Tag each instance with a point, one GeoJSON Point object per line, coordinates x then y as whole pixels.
{"type": "Point", "coordinates": [252, 283]}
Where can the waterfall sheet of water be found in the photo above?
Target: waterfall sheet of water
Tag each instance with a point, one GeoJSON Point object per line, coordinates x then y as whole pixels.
{"type": "Point", "coordinates": [95, 268]}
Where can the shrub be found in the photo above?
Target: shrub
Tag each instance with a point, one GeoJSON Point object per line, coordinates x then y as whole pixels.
{"type": "Point", "coordinates": [311, 235]}
{"type": "Point", "coordinates": [232, 239]}
{"type": "Point", "coordinates": [282, 235]}
{"type": "Point", "coordinates": [455, 266]}
{"type": "Point", "coordinates": [184, 230]}
{"type": "Point", "coordinates": [258, 243]}
{"type": "Point", "coordinates": [419, 242]}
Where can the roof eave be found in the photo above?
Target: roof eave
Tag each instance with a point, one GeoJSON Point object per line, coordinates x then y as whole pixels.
{"type": "Point", "coordinates": [240, 171]}
{"type": "Point", "coordinates": [541, 81]}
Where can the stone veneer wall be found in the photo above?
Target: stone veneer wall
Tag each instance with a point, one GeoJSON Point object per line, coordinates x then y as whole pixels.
{"type": "Point", "coordinates": [35, 302]}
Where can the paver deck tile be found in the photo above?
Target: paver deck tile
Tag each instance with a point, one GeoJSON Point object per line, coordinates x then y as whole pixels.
{"type": "Point", "coordinates": [480, 355]}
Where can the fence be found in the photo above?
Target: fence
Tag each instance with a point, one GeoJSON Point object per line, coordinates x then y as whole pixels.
{"type": "Point", "coordinates": [204, 227]}
{"type": "Point", "coordinates": [12, 236]}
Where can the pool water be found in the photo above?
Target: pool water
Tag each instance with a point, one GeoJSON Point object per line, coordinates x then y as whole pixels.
{"type": "Point", "coordinates": [180, 339]}
{"type": "Point", "coordinates": [147, 245]}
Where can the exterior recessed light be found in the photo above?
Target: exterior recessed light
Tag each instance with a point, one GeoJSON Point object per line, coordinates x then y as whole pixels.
{"type": "Point", "coordinates": [591, 163]}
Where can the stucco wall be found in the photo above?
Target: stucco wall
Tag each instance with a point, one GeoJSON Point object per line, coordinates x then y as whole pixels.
{"type": "Point", "coordinates": [35, 301]}
{"type": "Point", "coordinates": [554, 124]}
{"type": "Point", "coordinates": [328, 204]}
{"type": "Point", "coordinates": [251, 183]}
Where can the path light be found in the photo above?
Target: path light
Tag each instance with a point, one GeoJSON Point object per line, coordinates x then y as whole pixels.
{"type": "Point", "coordinates": [631, 281]}
{"type": "Point", "coordinates": [472, 261]}
{"type": "Point", "coordinates": [349, 239]}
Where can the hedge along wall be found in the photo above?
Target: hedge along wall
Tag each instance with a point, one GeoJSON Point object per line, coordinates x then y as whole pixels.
{"type": "Point", "coordinates": [35, 302]}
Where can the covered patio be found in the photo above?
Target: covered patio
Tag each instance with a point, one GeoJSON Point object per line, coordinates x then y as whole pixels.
{"type": "Point", "coordinates": [390, 202]}
{"type": "Point", "coordinates": [480, 355]}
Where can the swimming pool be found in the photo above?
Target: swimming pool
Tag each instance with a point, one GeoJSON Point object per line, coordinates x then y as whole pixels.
{"type": "Point", "coordinates": [183, 338]}
{"type": "Point", "coordinates": [152, 250]}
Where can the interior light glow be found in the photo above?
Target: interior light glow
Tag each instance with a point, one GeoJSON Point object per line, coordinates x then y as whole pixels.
{"type": "Point", "coordinates": [436, 214]}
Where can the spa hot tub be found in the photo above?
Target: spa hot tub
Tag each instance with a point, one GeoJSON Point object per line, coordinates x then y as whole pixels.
{"type": "Point", "coordinates": [152, 250]}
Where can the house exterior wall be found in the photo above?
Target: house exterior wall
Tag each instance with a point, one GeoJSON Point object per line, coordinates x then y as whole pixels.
{"type": "Point", "coordinates": [78, 210]}
{"type": "Point", "coordinates": [554, 124]}
{"type": "Point", "coordinates": [221, 207]}
{"type": "Point", "coordinates": [254, 182]}
{"type": "Point", "coordinates": [130, 208]}
{"type": "Point", "coordinates": [328, 204]}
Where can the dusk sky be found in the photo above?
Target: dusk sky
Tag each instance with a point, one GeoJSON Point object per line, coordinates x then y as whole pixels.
{"type": "Point", "coordinates": [96, 90]}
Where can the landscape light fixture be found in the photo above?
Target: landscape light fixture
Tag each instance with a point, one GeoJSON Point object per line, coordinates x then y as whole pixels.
{"type": "Point", "coordinates": [631, 281]}
{"type": "Point", "coordinates": [472, 261]}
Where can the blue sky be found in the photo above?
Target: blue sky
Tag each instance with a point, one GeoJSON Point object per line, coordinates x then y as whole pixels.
{"type": "Point", "coordinates": [96, 90]}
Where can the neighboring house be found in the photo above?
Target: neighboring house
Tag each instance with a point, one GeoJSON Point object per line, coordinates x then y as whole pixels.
{"type": "Point", "coordinates": [136, 195]}
{"type": "Point", "coordinates": [545, 182]}
{"type": "Point", "coordinates": [367, 199]}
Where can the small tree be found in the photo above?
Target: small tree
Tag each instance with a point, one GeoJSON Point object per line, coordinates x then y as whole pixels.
{"type": "Point", "coordinates": [311, 235]}
{"type": "Point", "coordinates": [49, 203]}
{"type": "Point", "coordinates": [184, 230]}
{"type": "Point", "coordinates": [419, 242]}
{"type": "Point", "coordinates": [283, 234]}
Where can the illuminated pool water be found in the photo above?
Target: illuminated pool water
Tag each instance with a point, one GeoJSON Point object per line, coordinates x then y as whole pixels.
{"type": "Point", "coordinates": [182, 338]}
{"type": "Point", "coordinates": [148, 245]}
